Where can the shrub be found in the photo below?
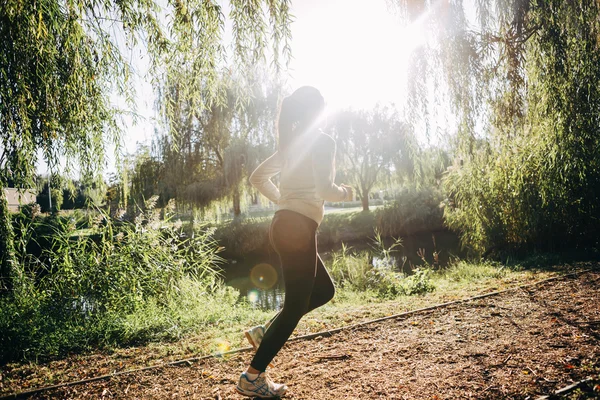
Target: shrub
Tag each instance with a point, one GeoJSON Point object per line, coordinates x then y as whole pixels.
{"type": "Point", "coordinates": [419, 282]}
{"type": "Point", "coordinates": [357, 272]}
{"type": "Point", "coordinates": [412, 211]}
{"type": "Point", "coordinates": [242, 236]}
{"type": "Point", "coordinates": [80, 288]}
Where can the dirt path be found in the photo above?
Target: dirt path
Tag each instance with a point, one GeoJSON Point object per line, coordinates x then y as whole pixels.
{"type": "Point", "coordinates": [518, 344]}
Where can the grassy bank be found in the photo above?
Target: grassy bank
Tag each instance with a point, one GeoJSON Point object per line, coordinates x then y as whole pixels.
{"type": "Point", "coordinates": [131, 284]}
{"type": "Point", "coordinates": [138, 293]}
{"type": "Point", "coordinates": [74, 292]}
{"type": "Point", "coordinates": [125, 283]}
{"type": "Point", "coordinates": [413, 211]}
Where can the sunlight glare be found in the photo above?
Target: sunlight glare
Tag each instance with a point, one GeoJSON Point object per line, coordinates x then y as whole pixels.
{"type": "Point", "coordinates": [263, 276]}
{"type": "Point", "coordinates": [358, 58]}
{"type": "Point", "coordinates": [253, 296]}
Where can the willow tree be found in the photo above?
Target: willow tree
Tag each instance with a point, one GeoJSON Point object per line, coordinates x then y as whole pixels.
{"type": "Point", "coordinates": [371, 143]}
{"type": "Point", "coordinates": [61, 60]}
{"type": "Point", "coordinates": [209, 153]}
{"type": "Point", "coordinates": [523, 79]}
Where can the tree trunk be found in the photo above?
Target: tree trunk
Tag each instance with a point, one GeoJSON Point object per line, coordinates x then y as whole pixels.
{"type": "Point", "coordinates": [365, 200]}
{"type": "Point", "coordinates": [7, 249]}
{"type": "Point", "coordinates": [237, 210]}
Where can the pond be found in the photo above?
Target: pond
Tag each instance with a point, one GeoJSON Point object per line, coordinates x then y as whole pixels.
{"type": "Point", "coordinates": [258, 278]}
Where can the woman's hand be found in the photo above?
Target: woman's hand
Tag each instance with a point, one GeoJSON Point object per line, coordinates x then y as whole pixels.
{"type": "Point", "coordinates": [349, 192]}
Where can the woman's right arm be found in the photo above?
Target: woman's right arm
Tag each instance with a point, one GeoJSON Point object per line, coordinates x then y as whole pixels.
{"type": "Point", "coordinates": [324, 170]}
{"type": "Point", "coordinates": [261, 177]}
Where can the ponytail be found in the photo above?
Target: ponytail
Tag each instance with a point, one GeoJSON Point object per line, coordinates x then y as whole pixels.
{"type": "Point", "coordinates": [298, 112]}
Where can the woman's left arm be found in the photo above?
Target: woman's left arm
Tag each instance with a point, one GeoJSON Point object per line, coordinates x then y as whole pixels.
{"type": "Point", "coordinates": [261, 177]}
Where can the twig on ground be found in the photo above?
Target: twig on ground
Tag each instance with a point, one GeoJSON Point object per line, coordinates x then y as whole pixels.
{"type": "Point", "coordinates": [333, 357]}
{"type": "Point", "coordinates": [587, 322]}
{"type": "Point", "coordinates": [565, 390]}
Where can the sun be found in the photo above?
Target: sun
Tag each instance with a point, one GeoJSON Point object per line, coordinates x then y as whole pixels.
{"type": "Point", "coordinates": [355, 54]}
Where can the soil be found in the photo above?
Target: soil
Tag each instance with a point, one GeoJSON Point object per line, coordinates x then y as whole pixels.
{"type": "Point", "coordinates": [516, 345]}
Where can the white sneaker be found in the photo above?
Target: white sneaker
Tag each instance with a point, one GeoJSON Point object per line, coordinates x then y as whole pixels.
{"type": "Point", "coordinates": [255, 335]}
{"type": "Point", "coordinates": [262, 387]}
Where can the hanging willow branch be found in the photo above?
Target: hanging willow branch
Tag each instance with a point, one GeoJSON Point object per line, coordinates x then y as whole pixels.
{"type": "Point", "coordinates": [62, 60]}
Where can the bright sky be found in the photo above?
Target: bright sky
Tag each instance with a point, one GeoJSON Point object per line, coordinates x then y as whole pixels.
{"type": "Point", "coordinates": [354, 51]}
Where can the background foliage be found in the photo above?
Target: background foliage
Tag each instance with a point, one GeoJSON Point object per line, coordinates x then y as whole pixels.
{"type": "Point", "coordinates": [524, 84]}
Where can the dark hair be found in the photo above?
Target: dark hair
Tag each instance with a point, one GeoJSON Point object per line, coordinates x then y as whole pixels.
{"type": "Point", "coordinates": [298, 112]}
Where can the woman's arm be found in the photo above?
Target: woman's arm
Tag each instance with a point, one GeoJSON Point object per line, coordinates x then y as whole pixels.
{"type": "Point", "coordinates": [261, 177]}
{"type": "Point", "coordinates": [324, 170]}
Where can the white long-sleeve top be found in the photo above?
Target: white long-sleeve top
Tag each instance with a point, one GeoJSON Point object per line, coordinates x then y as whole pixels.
{"type": "Point", "coordinates": [307, 173]}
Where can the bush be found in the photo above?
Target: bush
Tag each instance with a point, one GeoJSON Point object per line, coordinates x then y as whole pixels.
{"type": "Point", "coordinates": [413, 211]}
{"type": "Point", "coordinates": [339, 227]}
{"type": "Point", "coordinates": [82, 289]}
{"type": "Point", "coordinates": [243, 236]}
{"type": "Point", "coordinates": [357, 272]}
{"type": "Point", "coordinates": [419, 282]}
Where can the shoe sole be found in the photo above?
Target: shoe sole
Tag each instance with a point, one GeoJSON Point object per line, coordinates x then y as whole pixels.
{"type": "Point", "coordinates": [252, 394]}
{"type": "Point", "coordinates": [254, 346]}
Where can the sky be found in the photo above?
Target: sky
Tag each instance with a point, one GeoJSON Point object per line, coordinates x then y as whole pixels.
{"type": "Point", "coordinates": [354, 51]}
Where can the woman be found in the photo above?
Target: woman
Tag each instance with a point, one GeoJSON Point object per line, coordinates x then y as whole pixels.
{"type": "Point", "coordinates": [305, 158]}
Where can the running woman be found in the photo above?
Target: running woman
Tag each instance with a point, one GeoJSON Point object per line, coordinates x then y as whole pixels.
{"type": "Point", "coordinates": [305, 160]}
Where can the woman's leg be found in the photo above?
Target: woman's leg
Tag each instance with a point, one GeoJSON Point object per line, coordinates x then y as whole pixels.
{"type": "Point", "coordinates": [323, 289]}
{"type": "Point", "coordinates": [322, 292]}
{"type": "Point", "coordinates": [293, 237]}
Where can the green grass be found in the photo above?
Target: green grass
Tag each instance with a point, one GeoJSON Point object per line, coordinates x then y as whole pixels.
{"type": "Point", "coordinates": [75, 293]}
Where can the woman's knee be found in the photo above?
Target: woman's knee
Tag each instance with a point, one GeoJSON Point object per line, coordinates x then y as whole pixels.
{"type": "Point", "coordinates": [329, 295]}
{"type": "Point", "coordinates": [293, 311]}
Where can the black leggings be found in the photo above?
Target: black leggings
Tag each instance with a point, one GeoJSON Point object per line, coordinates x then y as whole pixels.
{"type": "Point", "coordinates": [307, 283]}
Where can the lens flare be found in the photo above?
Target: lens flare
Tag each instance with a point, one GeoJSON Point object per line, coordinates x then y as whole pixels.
{"type": "Point", "coordinates": [263, 276]}
{"type": "Point", "coordinates": [222, 346]}
{"type": "Point", "coordinates": [253, 296]}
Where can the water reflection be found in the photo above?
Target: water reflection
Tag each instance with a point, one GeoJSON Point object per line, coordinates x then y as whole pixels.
{"type": "Point", "coordinates": [259, 281]}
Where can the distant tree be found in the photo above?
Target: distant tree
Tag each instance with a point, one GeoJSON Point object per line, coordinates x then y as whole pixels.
{"type": "Point", "coordinates": [369, 144]}
{"type": "Point", "coordinates": [210, 152]}
{"type": "Point", "coordinates": [51, 193]}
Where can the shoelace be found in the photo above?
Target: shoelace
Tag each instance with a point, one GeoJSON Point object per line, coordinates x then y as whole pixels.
{"type": "Point", "coordinates": [265, 386]}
